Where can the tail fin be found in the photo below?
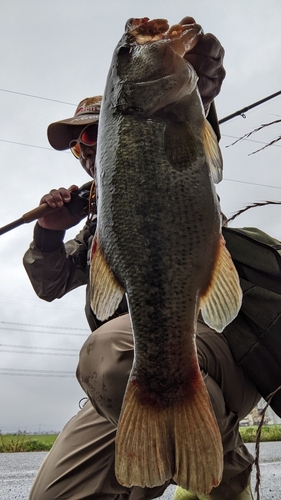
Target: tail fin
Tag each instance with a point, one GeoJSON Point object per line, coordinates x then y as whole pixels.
{"type": "Point", "coordinates": [181, 442]}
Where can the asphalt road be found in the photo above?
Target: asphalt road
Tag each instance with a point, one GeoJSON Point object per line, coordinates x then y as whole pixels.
{"type": "Point", "coordinates": [17, 471]}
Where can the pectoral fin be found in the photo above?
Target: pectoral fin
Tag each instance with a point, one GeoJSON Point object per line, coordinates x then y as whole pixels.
{"type": "Point", "coordinates": [222, 300]}
{"type": "Point", "coordinates": [213, 152]}
{"type": "Point", "coordinates": [106, 292]}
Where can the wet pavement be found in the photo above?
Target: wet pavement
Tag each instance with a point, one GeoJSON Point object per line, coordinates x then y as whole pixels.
{"type": "Point", "coordinates": [17, 471]}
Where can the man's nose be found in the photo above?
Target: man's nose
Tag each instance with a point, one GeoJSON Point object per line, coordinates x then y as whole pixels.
{"type": "Point", "coordinates": [87, 151]}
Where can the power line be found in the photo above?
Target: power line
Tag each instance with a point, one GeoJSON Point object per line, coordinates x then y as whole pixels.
{"type": "Point", "coordinates": [37, 350]}
{"type": "Point", "coordinates": [248, 140]}
{"type": "Point", "coordinates": [43, 326]}
{"type": "Point", "coordinates": [223, 120]}
{"type": "Point", "coordinates": [37, 97]}
{"type": "Point", "coordinates": [39, 347]}
{"type": "Point", "coordinates": [34, 97]}
{"type": "Point", "coordinates": [68, 152]}
{"type": "Point", "coordinates": [43, 332]}
{"type": "Point", "coordinates": [39, 353]}
{"type": "Point", "coordinates": [58, 306]}
{"type": "Point", "coordinates": [36, 373]}
{"type": "Point", "coordinates": [15, 327]}
{"type": "Point", "coordinates": [31, 146]}
{"type": "Point", "coordinates": [224, 135]}
{"type": "Point", "coordinates": [252, 183]}
{"type": "Point", "coordinates": [28, 370]}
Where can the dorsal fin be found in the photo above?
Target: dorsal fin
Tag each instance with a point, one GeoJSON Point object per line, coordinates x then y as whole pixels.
{"type": "Point", "coordinates": [213, 152]}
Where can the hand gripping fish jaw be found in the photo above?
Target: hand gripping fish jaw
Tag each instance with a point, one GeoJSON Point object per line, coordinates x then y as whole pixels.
{"type": "Point", "coordinates": [169, 258]}
{"type": "Point", "coordinates": [166, 68]}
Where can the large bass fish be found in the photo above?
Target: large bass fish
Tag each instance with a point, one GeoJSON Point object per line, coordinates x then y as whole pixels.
{"type": "Point", "coordinates": [159, 241]}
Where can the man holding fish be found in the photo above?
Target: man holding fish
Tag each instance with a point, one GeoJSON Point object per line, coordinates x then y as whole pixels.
{"type": "Point", "coordinates": [157, 238]}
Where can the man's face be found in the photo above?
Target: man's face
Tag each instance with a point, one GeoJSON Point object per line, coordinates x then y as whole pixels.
{"type": "Point", "coordinates": [87, 158]}
{"type": "Point", "coordinates": [84, 147]}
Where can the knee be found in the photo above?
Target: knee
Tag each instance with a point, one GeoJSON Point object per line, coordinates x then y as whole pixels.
{"type": "Point", "coordinates": [107, 352]}
{"type": "Point", "coordinates": [105, 362]}
{"type": "Point", "coordinates": [85, 368]}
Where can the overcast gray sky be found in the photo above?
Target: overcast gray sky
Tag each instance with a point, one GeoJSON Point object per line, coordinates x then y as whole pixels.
{"type": "Point", "coordinates": [53, 54]}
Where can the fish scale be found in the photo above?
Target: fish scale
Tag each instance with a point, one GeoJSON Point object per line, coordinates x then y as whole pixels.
{"type": "Point", "coordinates": [159, 241]}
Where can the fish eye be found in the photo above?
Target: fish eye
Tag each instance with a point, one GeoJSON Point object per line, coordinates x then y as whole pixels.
{"type": "Point", "coordinates": [124, 50]}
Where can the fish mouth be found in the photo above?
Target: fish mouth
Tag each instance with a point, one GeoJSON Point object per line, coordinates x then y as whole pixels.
{"type": "Point", "coordinates": [149, 61]}
{"type": "Point", "coordinates": [176, 73]}
{"type": "Point", "coordinates": [181, 37]}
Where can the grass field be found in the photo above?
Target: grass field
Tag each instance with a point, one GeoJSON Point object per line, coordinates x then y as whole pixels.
{"type": "Point", "coordinates": [268, 433]}
{"type": "Point", "coordinates": [10, 443]}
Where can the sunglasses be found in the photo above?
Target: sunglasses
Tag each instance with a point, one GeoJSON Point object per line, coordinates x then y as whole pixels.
{"type": "Point", "coordinates": [88, 137]}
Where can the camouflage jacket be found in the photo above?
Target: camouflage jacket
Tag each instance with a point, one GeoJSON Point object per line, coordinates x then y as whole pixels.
{"type": "Point", "coordinates": [55, 268]}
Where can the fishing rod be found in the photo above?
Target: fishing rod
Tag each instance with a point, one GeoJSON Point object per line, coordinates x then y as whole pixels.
{"type": "Point", "coordinates": [81, 203]}
{"type": "Point", "coordinates": [241, 112]}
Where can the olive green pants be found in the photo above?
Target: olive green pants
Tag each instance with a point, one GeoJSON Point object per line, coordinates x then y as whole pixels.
{"type": "Point", "coordinates": [80, 466]}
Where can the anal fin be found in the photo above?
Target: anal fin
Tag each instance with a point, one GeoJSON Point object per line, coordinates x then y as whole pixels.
{"type": "Point", "coordinates": [222, 301]}
{"type": "Point", "coordinates": [106, 292]}
{"type": "Point", "coordinates": [181, 441]}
